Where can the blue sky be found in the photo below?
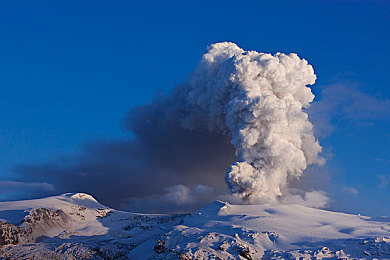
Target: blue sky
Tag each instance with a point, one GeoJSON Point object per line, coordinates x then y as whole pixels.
{"type": "Point", "coordinates": [71, 70]}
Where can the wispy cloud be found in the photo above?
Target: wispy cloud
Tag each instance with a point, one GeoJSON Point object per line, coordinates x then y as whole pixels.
{"type": "Point", "coordinates": [384, 181]}
{"type": "Point", "coordinates": [351, 190]}
{"type": "Point", "coordinates": [344, 102]}
{"type": "Point", "coordinates": [176, 199]}
{"type": "Point", "coordinates": [14, 189]}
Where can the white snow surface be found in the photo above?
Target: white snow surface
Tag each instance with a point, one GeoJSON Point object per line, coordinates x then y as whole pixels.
{"type": "Point", "coordinates": [76, 226]}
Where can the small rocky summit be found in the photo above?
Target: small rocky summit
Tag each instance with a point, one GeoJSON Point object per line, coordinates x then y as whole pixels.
{"type": "Point", "coordinates": [37, 223]}
{"type": "Point", "coordinates": [76, 226]}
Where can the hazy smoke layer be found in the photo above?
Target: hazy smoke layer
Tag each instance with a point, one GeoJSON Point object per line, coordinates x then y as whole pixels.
{"type": "Point", "coordinates": [257, 99]}
{"type": "Point", "coordinates": [181, 146]}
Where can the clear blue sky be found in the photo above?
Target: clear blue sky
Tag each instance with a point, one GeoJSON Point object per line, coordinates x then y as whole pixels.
{"type": "Point", "coordinates": [70, 71]}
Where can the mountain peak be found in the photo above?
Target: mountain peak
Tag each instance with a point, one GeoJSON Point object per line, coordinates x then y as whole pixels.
{"type": "Point", "coordinates": [80, 195]}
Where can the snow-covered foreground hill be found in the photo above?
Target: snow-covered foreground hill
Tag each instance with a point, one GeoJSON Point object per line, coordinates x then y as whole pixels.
{"type": "Point", "coordinates": [76, 226]}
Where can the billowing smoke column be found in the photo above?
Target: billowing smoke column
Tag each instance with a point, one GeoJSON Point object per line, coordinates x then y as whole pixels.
{"type": "Point", "coordinates": [181, 141]}
{"type": "Point", "coordinates": [258, 100]}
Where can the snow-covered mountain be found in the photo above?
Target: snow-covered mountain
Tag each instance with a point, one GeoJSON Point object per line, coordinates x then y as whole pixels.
{"type": "Point", "coordinates": [76, 226]}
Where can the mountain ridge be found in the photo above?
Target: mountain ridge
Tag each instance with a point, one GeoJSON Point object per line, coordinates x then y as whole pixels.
{"type": "Point", "coordinates": [77, 226]}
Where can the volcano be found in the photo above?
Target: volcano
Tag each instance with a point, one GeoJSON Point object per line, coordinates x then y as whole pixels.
{"type": "Point", "coordinates": [77, 226]}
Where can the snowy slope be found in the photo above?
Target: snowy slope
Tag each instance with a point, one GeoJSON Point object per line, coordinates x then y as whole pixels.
{"type": "Point", "coordinates": [76, 226]}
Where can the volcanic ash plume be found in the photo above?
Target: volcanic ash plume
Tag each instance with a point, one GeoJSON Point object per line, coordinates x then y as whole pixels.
{"type": "Point", "coordinates": [258, 100]}
{"type": "Point", "coordinates": [181, 145]}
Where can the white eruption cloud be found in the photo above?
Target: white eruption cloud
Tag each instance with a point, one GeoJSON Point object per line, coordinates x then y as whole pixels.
{"type": "Point", "coordinates": [239, 112]}
{"type": "Point", "coordinates": [258, 100]}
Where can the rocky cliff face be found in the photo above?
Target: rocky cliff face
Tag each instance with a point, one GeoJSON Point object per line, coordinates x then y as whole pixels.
{"type": "Point", "coordinates": [9, 234]}
{"type": "Point", "coordinates": [39, 223]}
